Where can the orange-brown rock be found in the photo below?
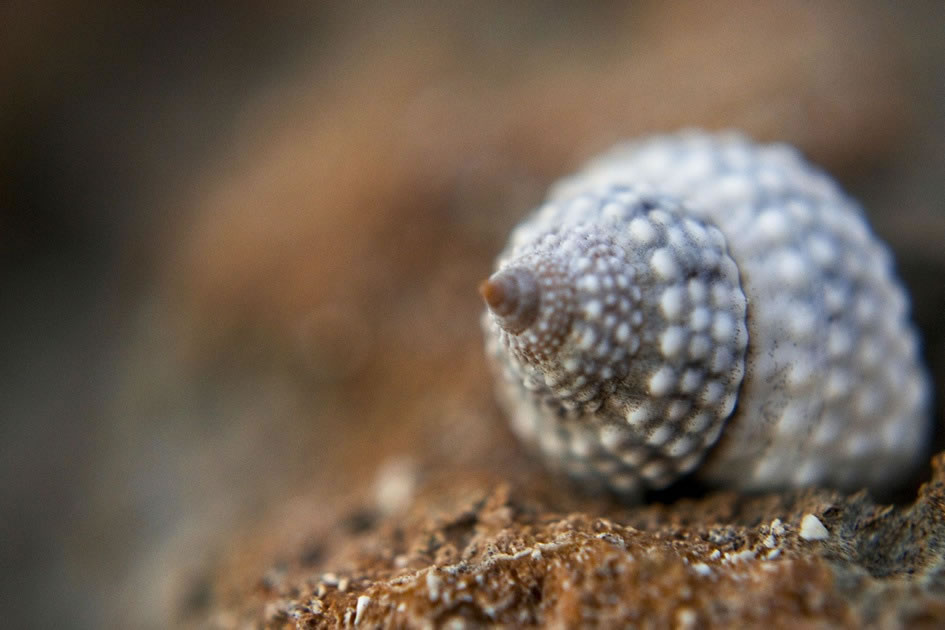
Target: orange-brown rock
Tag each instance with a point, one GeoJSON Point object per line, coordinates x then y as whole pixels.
{"type": "Point", "coordinates": [475, 550]}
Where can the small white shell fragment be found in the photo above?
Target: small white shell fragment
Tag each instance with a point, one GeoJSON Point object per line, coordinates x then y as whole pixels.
{"type": "Point", "coordinates": [686, 618]}
{"type": "Point", "coordinates": [812, 528]}
{"type": "Point", "coordinates": [394, 484]}
{"type": "Point", "coordinates": [741, 556]}
{"type": "Point", "coordinates": [361, 606]}
{"type": "Point", "coordinates": [719, 304]}
{"type": "Point", "coordinates": [329, 579]}
{"type": "Point", "coordinates": [434, 582]}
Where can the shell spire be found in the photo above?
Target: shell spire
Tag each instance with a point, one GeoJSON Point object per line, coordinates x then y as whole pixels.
{"type": "Point", "coordinates": [512, 295]}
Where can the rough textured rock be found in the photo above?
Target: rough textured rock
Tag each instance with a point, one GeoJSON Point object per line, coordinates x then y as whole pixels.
{"type": "Point", "coordinates": [474, 550]}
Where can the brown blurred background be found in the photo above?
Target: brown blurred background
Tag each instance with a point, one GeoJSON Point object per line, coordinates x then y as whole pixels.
{"type": "Point", "coordinates": [239, 246]}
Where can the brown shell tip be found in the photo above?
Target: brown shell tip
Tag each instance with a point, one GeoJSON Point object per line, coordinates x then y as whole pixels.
{"type": "Point", "coordinates": [492, 292]}
{"type": "Point", "coordinates": [513, 296]}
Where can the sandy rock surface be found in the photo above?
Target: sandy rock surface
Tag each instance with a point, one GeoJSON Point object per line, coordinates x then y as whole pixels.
{"type": "Point", "coordinates": [473, 550]}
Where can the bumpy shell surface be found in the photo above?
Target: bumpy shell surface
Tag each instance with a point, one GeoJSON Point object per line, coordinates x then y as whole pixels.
{"type": "Point", "coordinates": [698, 302]}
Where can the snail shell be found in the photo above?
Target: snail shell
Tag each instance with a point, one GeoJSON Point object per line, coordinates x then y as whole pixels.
{"type": "Point", "coordinates": [698, 303]}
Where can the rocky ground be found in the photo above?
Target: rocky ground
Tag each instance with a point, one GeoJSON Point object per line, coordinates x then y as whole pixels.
{"type": "Point", "coordinates": [476, 549]}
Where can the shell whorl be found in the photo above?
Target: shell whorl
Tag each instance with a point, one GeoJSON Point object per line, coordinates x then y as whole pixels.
{"type": "Point", "coordinates": [701, 303]}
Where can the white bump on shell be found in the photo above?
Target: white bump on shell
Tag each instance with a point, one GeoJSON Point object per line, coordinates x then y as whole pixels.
{"type": "Point", "coordinates": [691, 380]}
{"type": "Point", "coordinates": [700, 319]}
{"type": "Point", "coordinates": [792, 269]}
{"type": "Point", "coordinates": [634, 457]}
{"type": "Point", "coordinates": [611, 438]}
{"type": "Point", "coordinates": [672, 341]}
{"type": "Point", "coordinates": [664, 264]}
{"type": "Point", "coordinates": [662, 381]}
{"type": "Point", "coordinates": [802, 324]}
{"type": "Point", "coordinates": [589, 283]}
{"type": "Point", "coordinates": [699, 347]}
{"type": "Point", "coordinates": [696, 232]}
{"type": "Point", "coordinates": [712, 392]}
{"type": "Point", "coordinates": [625, 483]}
{"type": "Point", "coordinates": [655, 470]}
{"type": "Point", "coordinates": [623, 332]}
{"type": "Point", "coordinates": [642, 231]}
{"type": "Point", "coordinates": [773, 226]}
{"type": "Point", "coordinates": [594, 309]}
{"type": "Point", "coordinates": [697, 291]}
{"type": "Point", "coordinates": [723, 327]}
{"type": "Point", "coordinates": [793, 418]}
{"type": "Point", "coordinates": [682, 446]}
{"type": "Point", "coordinates": [639, 415]}
{"type": "Point", "coordinates": [699, 423]}
{"type": "Point", "coordinates": [660, 436]}
{"type": "Point", "coordinates": [588, 339]}
{"type": "Point", "coordinates": [672, 302]}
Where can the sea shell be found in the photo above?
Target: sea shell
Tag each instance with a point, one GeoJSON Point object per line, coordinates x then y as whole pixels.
{"type": "Point", "coordinates": [698, 303]}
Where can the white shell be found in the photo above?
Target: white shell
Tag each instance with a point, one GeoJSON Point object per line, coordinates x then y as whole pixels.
{"type": "Point", "coordinates": [712, 305]}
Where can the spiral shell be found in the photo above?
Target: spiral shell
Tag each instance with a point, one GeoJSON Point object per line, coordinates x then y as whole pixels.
{"type": "Point", "coordinates": [698, 303]}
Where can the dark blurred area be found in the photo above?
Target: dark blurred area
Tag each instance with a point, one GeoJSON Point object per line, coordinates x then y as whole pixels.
{"type": "Point", "coordinates": [239, 243]}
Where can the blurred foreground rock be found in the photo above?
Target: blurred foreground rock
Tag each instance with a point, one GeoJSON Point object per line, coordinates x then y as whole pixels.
{"type": "Point", "coordinates": [470, 550]}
